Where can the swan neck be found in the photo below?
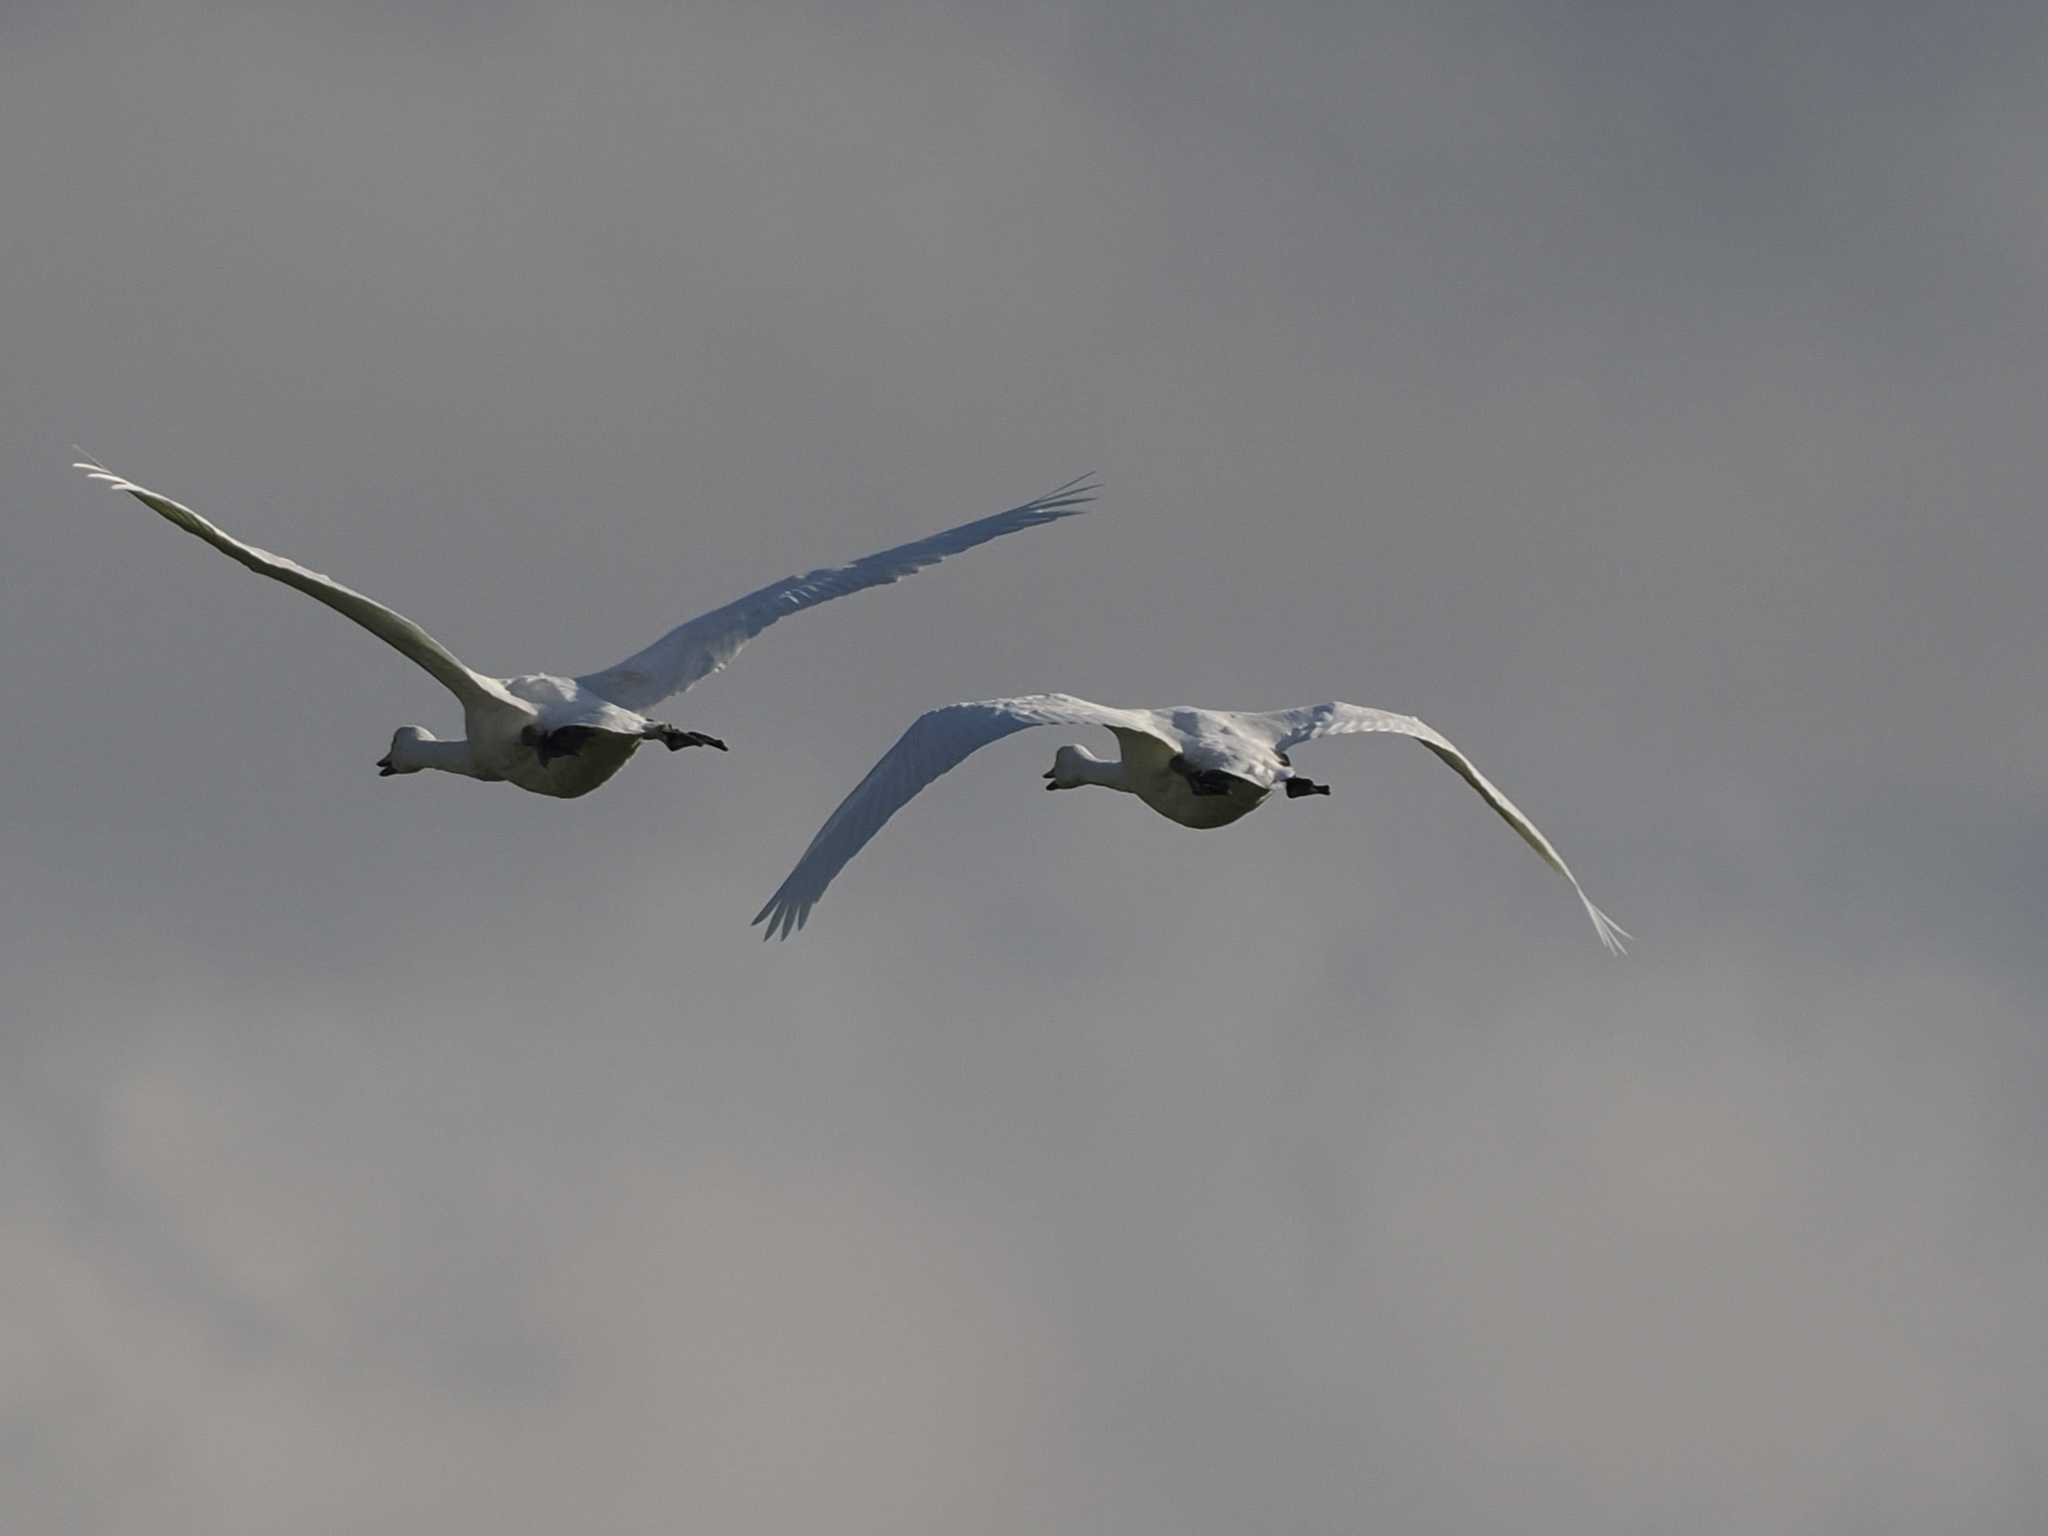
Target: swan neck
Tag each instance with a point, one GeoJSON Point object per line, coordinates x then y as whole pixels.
{"type": "Point", "coordinates": [448, 756]}
{"type": "Point", "coordinates": [1090, 769]}
{"type": "Point", "coordinates": [1111, 775]}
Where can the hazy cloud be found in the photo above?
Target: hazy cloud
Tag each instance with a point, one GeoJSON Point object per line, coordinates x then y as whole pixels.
{"type": "Point", "coordinates": [1647, 397]}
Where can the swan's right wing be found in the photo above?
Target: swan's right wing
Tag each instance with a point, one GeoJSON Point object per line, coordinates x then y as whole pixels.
{"type": "Point", "coordinates": [935, 743]}
{"type": "Point", "coordinates": [1286, 728]}
{"type": "Point", "coordinates": [394, 629]}
{"type": "Point", "coordinates": [691, 652]}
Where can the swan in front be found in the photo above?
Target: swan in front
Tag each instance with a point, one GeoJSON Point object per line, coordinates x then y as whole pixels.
{"type": "Point", "coordinates": [1199, 767]}
{"type": "Point", "coordinates": [564, 736]}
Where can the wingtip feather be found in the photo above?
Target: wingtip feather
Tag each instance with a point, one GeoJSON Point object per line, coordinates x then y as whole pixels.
{"type": "Point", "coordinates": [782, 916]}
{"type": "Point", "coordinates": [1068, 499]}
{"type": "Point", "coordinates": [1615, 937]}
{"type": "Point", "coordinates": [94, 470]}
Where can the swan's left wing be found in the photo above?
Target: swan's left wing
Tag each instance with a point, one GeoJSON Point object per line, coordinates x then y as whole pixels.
{"type": "Point", "coordinates": [388, 625]}
{"type": "Point", "coordinates": [693, 651]}
{"type": "Point", "coordinates": [936, 742]}
{"type": "Point", "coordinates": [1290, 727]}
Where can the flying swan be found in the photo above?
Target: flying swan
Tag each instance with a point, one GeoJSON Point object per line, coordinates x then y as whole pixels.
{"type": "Point", "coordinates": [1199, 767]}
{"type": "Point", "coordinates": [564, 736]}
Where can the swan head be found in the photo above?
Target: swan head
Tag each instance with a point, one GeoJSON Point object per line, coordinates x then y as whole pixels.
{"type": "Point", "coordinates": [1074, 766]}
{"type": "Point", "coordinates": [405, 756]}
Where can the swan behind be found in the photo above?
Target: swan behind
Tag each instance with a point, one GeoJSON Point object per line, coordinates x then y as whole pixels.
{"type": "Point", "coordinates": [1200, 768]}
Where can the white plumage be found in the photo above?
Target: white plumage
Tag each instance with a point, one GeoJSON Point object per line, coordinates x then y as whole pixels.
{"type": "Point", "coordinates": [564, 736]}
{"type": "Point", "coordinates": [1199, 767]}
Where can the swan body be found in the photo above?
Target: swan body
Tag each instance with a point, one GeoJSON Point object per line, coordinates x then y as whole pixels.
{"type": "Point", "coordinates": [564, 736]}
{"type": "Point", "coordinates": [1201, 768]}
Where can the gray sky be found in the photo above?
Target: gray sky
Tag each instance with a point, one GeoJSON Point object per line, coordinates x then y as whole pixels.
{"type": "Point", "coordinates": [1649, 397]}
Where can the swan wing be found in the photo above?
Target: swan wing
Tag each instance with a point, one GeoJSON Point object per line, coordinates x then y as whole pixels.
{"type": "Point", "coordinates": [693, 651]}
{"type": "Point", "coordinates": [936, 742]}
{"type": "Point", "coordinates": [1290, 727]}
{"type": "Point", "coordinates": [393, 628]}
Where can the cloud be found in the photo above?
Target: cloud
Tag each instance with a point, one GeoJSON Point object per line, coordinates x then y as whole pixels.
{"type": "Point", "coordinates": [1645, 401]}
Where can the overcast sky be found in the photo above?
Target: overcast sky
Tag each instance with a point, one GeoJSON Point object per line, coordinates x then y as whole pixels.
{"type": "Point", "coordinates": [1650, 397]}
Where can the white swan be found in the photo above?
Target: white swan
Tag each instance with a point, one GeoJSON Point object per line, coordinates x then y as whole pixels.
{"type": "Point", "coordinates": [1199, 767]}
{"type": "Point", "coordinates": [564, 736]}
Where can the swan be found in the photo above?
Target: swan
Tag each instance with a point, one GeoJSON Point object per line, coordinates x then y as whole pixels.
{"type": "Point", "coordinates": [564, 736]}
{"type": "Point", "coordinates": [1199, 767]}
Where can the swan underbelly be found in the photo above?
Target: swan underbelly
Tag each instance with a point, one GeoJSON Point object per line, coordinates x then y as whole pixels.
{"type": "Point", "coordinates": [1173, 797]}
{"type": "Point", "coordinates": [565, 775]}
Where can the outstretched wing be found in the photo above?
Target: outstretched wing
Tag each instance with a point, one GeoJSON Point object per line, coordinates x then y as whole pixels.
{"type": "Point", "coordinates": [935, 743]}
{"type": "Point", "coordinates": [393, 628]}
{"type": "Point", "coordinates": [693, 651]}
{"type": "Point", "coordinates": [1290, 727]}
